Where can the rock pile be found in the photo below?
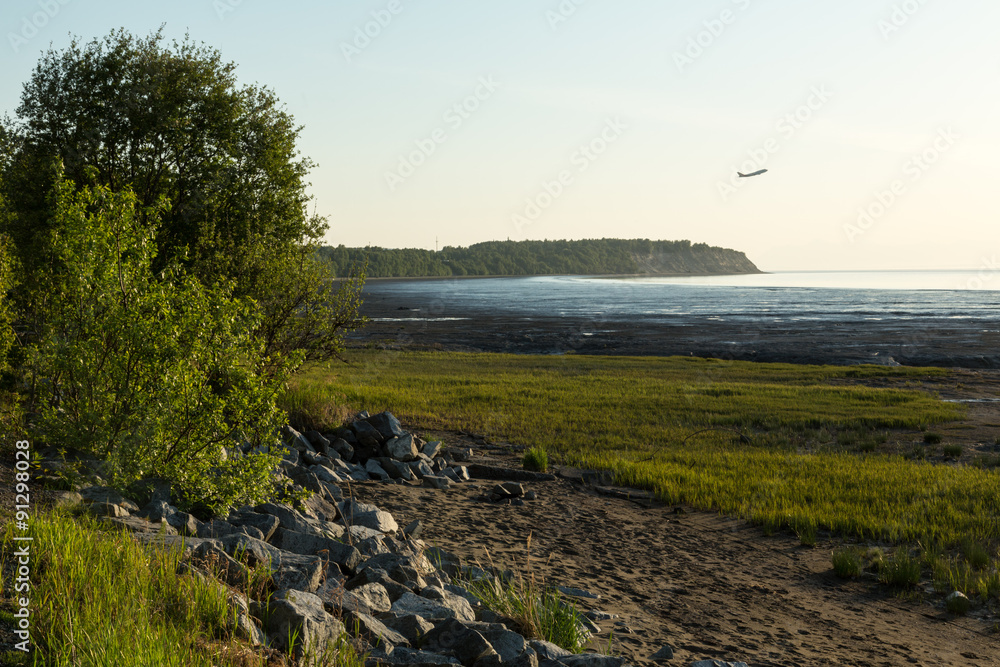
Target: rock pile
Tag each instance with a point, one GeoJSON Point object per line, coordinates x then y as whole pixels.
{"type": "Point", "coordinates": [337, 565]}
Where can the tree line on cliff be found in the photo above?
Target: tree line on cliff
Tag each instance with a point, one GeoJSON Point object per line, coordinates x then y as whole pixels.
{"type": "Point", "coordinates": [522, 258]}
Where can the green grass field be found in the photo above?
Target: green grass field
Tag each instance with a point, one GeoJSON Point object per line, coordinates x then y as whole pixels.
{"type": "Point", "coordinates": [813, 462]}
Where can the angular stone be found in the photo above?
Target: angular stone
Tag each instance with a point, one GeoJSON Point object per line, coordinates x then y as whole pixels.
{"type": "Point", "coordinates": [368, 599]}
{"type": "Point", "coordinates": [369, 516]}
{"type": "Point", "coordinates": [414, 628]}
{"type": "Point", "coordinates": [387, 425]}
{"type": "Point", "coordinates": [67, 499]}
{"type": "Point", "coordinates": [107, 509]}
{"type": "Point", "coordinates": [304, 478]}
{"type": "Point", "coordinates": [431, 449]}
{"type": "Point", "coordinates": [454, 637]}
{"type": "Point", "coordinates": [292, 438]}
{"type": "Point", "coordinates": [408, 656]}
{"type": "Point", "coordinates": [593, 660]}
{"type": "Point", "coordinates": [324, 547]}
{"type": "Point", "coordinates": [215, 528]}
{"type": "Point", "coordinates": [414, 529]}
{"type": "Point", "coordinates": [184, 523]}
{"type": "Point", "coordinates": [439, 464]}
{"type": "Point", "coordinates": [324, 511]}
{"type": "Point", "coordinates": [213, 559]}
{"type": "Point", "coordinates": [402, 448]}
{"type": "Point", "coordinates": [396, 469]}
{"type": "Point", "coordinates": [157, 510]}
{"type": "Point", "coordinates": [421, 469]}
{"type": "Point", "coordinates": [513, 489]}
{"type": "Point", "coordinates": [324, 474]}
{"type": "Point", "coordinates": [299, 573]}
{"type": "Point", "coordinates": [295, 612]}
{"type": "Point", "coordinates": [547, 650]}
{"type": "Point", "coordinates": [504, 641]}
{"type": "Point", "coordinates": [238, 620]}
{"type": "Point", "coordinates": [375, 471]}
{"type": "Point", "coordinates": [451, 475]}
{"type": "Point", "coordinates": [435, 482]}
{"type": "Point", "coordinates": [372, 630]}
{"type": "Point", "coordinates": [461, 454]}
{"type": "Point", "coordinates": [105, 494]}
{"type": "Point", "coordinates": [318, 441]}
{"type": "Point", "coordinates": [343, 448]}
{"type": "Point", "coordinates": [462, 472]}
{"type": "Point", "coordinates": [665, 653]}
{"type": "Point", "coordinates": [409, 603]}
{"type": "Point", "coordinates": [367, 435]}
{"type": "Point", "coordinates": [265, 523]}
{"type": "Point", "coordinates": [717, 663]}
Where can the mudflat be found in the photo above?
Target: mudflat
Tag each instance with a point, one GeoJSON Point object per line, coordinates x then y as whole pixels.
{"type": "Point", "coordinates": [420, 322]}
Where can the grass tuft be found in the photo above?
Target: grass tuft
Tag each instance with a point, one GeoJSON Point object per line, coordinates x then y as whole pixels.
{"type": "Point", "coordinates": [848, 562]}
{"type": "Point", "coordinates": [536, 459]}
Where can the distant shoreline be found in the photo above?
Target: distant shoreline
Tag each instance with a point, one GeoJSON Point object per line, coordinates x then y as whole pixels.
{"type": "Point", "coordinates": [574, 275]}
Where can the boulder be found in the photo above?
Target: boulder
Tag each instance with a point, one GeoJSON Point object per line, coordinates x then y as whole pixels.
{"type": "Point", "coordinates": [375, 471]}
{"type": "Point", "coordinates": [295, 440]}
{"type": "Point", "coordinates": [239, 622]}
{"type": "Point", "coordinates": [368, 516]}
{"type": "Point", "coordinates": [455, 638]}
{"type": "Point", "coordinates": [367, 435]}
{"type": "Point", "coordinates": [373, 631]}
{"type": "Point", "coordinates": [211, 557]}
{"type": "Point", "coordinates": [215, 528]}
{"type": "Point", "coordinates": [435, 482]}
{"type": "Point", "coordinates": [367, 599]}
{"type": "Point", "coordinates": [294, 612]}
{"type": "Point", "coordinates": [414, 529]}
{"type": "Point", "coordinates": [107, 509]}
{"type": "Point", "coordinates": [184, 523]}
{"type": "Point", "coordinates": [421, 469]}
{"type": "Point", "coordinates": [318, 441]}
{"type": "Point", "coordinates": [431, 449]}
{"type": "Point", "coordinates": [402, 448]}
{"type": "Point", "coordinates": [665, 653]}
{"type": "Point", "coordinates": [393, 588]}
{"type": "Point", "coordinates": [265, 523]}
{"type": "Point", "coordinates": [344, 555]}
{"type": "Point", "coordinates": [453, 607]}
{"type": "Point", "coordinates": [410, 656]}
{"type": "Point", "coordinates": [451, 475]}
{"type": "Point", "coordinates": [414, 628]}
{"type": "Point", "coordinates": [342, 448]}
{"type": "Point", "coordinates": [105, 494]}
{"type": "Point", "coordinates": [396, 469]}
{"type": "Point", "coordinates": [593, 660]}
{"type": "Point", "coordinates": [304, 478]}
{"type": "Point", "coordinates": [387, 425]}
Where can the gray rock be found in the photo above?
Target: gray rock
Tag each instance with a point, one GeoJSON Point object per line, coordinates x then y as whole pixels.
{"type": "Point", "coordinates": [414, 628]}
{"type": "Point", "coordinates": [215, 528]}
{"type": "Point", "coordinates": [462, 472]}
{"type": "Point", "coordinates": [513, 489]}
{"type": "Point", "coordinates": [408, 603]}
{"type": "Point", "coordinates": [324, 511]}
{"type": "Point", "coordinates": [295, 612]}
{"type": "Point", "coordinates": [304, 478]}
{"type": "Point", "coordinates": [439, 464]}
{"type": "Point", "coordinates": [717, 663]}
{"type": "Point", "coordinates": [360, 533]}
{"type": "Point", "coordinates": [393, 588]}
{"type": "Point", "coordinates": [435, 482]}
{"type": "Point", "coordinates": [577, 592]}
{"type": "Point", "coordinates": [665, 653]}
{"type": "Point", "coordinates": [184, 523]}
{"type": "Point", "coordinates": [409, 656]}
{"type": "Point", "coordinates": [421, 469]}
{"type": "Point", "coordinates": [295, 440]}
{"type": "Point", "coordinates": [372, 546]}
{"type": "Point", "coordinates": [547, 650]}
{"type": "Point", "coordinates": [387, 425]}
{"type": "Point", "coordinates": [239, 622]}
{"type": "Point", "coordinates": [402, 448]}
{"type": "Point", "coordinates": [367, 435]}
{"type": "Point", "coordinates": [414, 529]}
{"type": "Point", "coordinates": [326, 548]}
{"type": "Point", "coordinates": [373, 631]}
{"type": "Point", "coordinates": [157, 510]}
{"type": "Point", "coordinates": [530, 495]}
{"type": "Point", "coordinates": [396, 469]}
{"type": "Point", "coordinates": [318, 441]}
{"type": "Point", "coordinates": [299, 573]}
{"type": "Point", "coordinates": [343, 448]}
{"type": "Point", "coordinates": [324, 474]}
{"type": "Point", "coordinates": [369, 516]}
{"type": "Point", "coordinates": [211, 557]}
{"type": "Point", "coordinates": [367, 599]}
{"type": "Point", "coordinates": [504, 641]}
{"type": "Point", "coordinates": [454, 637]}
{"type": "Point", "coordinates": [431, 449]}
{"type": "Point", "coordinates": [451, 475]}
{"type": "Point", "coordinates": [265, 523]}
{"type": "Point", "coordinates": [107, 509]}
{"type": "Point", "coordinates": [444, 560]}
{"type": "Point", "coordinates": [105, 494]}
{"type": "Point", "coordinates": [67, 499]}
{"type": "Point", "coordinates": [375, 470]}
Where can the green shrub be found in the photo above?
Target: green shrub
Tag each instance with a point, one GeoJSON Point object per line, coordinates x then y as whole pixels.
{"type": "Point", "coordinates": [157, 374]}
{"type": "Point", "coordinates": [847, 562]}
{"type": "Point", "coordinates": [536, 459]}
{"type": "Point", "coordinates": [952, 451]}
{"type": "Point", "coordinates": [900, 569]}
{"type": "Point", "coordinates": [805, 530]}
{"type": "Point", "coordinates": [932, 438]}
{"type": "Point", "coordinates": [975, 554]}
{"type": "Point", "coordinates": [957, 604]}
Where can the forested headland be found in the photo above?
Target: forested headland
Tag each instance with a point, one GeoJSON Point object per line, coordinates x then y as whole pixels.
{"type": "Point", "coordinates": [525, 258]}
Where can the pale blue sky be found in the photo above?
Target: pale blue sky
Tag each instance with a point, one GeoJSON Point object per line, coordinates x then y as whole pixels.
{"type": "Point", "coordinates": [674, 130]}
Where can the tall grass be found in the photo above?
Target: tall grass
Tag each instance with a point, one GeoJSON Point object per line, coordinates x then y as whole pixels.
{"type": "Point", "coordinates": [636, 417]}
{"type": "Point", "coordinates": [102, 598]}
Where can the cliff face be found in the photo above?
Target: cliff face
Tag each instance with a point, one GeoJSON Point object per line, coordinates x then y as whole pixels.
{"type": "Point", "coordinates": [695, 260]}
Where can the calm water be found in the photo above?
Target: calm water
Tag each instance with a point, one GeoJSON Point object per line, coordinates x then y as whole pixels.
{"type": "Point", "coordinates": [776, 297]}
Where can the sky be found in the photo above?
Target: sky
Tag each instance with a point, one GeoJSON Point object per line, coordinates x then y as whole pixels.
{"type": "Point", "coordinates": [449, 123]}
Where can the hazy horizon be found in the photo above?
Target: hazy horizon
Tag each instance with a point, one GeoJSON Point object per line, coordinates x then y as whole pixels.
{"type": "Point", "coordinates": [567, 119]}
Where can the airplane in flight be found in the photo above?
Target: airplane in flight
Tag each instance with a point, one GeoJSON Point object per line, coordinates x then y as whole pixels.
{"type": "Point", "coordinates": [754, 173]}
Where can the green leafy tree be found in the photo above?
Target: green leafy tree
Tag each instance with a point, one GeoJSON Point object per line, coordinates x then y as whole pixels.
{"type": "Point", "coordinates": [155, 372]}
{"type": "Point", "coordinates": [171, 122]}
